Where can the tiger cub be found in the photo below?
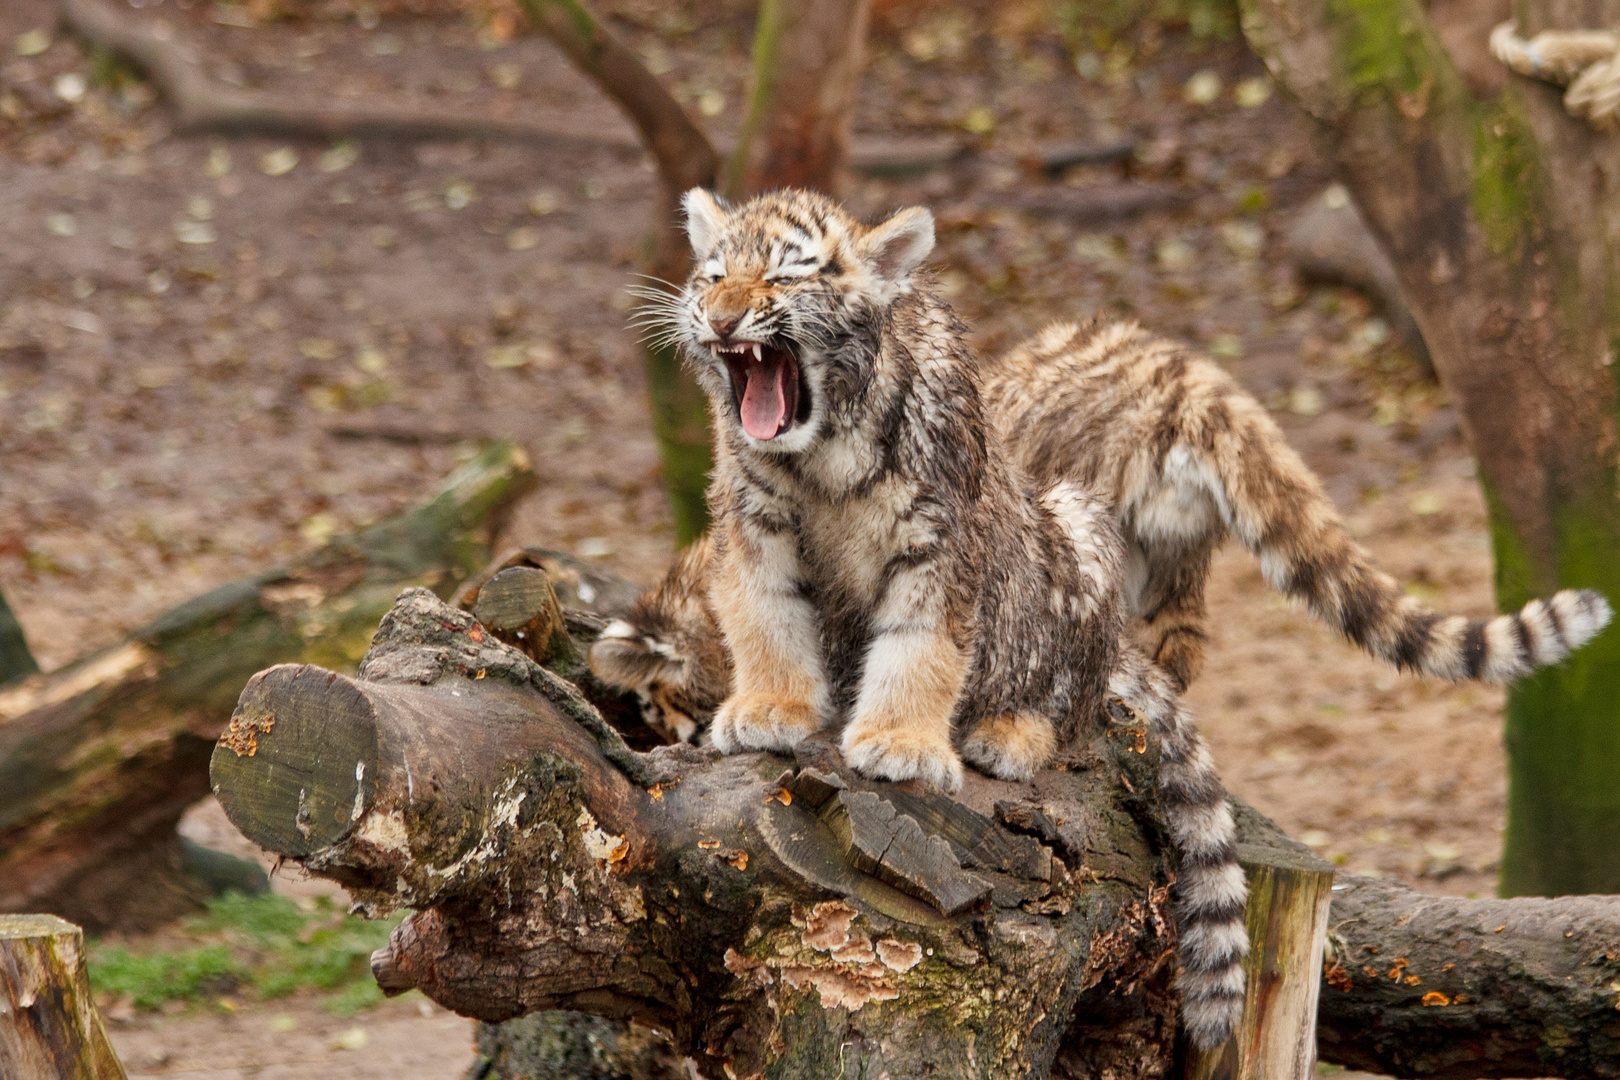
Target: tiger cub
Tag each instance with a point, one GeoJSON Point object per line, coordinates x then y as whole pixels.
{"type": "Point", "coordinates": [880, 559]}
{"type": "Point", "coordinates": [1185, 458]}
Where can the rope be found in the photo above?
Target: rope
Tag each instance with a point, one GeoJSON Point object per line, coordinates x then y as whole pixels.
{"type": "Point", "coordinates": [1585, 61]}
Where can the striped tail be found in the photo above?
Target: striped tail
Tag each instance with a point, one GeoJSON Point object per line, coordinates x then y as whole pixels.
{"type": "Point", "coordinates": [1210, 889]}
{"type": "Point", "coordinates": [1278, 509]}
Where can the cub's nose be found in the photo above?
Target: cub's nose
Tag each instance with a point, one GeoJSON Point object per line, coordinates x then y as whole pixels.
{"type": "Point", "coordinates": [724, 327]}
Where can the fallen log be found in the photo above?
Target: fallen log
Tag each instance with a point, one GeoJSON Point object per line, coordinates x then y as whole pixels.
{"type": "Point", "coordinates": [758, 911]}
{"type": "Point", "coordinates": [49, 1026]}
{"type": "Point", "coordinates": [1444, 987]}
{"type": "Point", "coordinates": [202, 104]}
{"type": "Point", "coordinates": [99, 759]}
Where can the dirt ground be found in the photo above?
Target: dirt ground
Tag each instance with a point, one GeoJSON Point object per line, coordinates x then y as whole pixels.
{"type": "Point", "coordinates": [216, 352]}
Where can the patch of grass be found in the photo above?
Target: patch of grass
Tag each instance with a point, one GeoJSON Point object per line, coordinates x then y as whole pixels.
{"type": "Point", "coordinates": [264, 946]}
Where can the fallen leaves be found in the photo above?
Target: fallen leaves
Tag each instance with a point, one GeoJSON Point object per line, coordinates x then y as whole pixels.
{"type": "Point", "coordinates": [32, 42]}
{"type": "Point", "coordinates": [279, 162]}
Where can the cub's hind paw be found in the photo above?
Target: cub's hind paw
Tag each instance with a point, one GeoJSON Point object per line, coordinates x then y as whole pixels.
{"type": "Point", "coordinates": [762, 722]}
{"type": "Point", "coordinates": [1012, 746]}
{"type": "Point", "coordinates": [899, 754]}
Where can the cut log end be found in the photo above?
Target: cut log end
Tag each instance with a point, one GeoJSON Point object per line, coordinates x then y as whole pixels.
{"type": "Point", "coordinates": [317, 737]}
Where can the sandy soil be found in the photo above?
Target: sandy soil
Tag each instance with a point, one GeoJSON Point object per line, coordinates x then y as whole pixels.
{"type": "Point", "coordinates": [189, 345]}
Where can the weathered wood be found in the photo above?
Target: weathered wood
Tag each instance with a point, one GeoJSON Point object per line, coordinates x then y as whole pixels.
{"type": "Point", "coordinates": [1287, 920]}
{"type": "Point", "coordinates": [709, 898]}
{"type": "Point", "coordinates": [549, 868]}
{"type": "Point", "coordinates": [16, 660]}
{"type": "Point", "coordinates": [99, 759]}
{"type": "Point", "coordinates": [1446, 987]}
{"type": "Point", "coordinates": [521, 607]}
{"type": "Point", "coordinates": [550, 606]}
{"type": "Point", "coordinates": [49, 1026]}
{"type": "Point", "coordinates": [879, 840]}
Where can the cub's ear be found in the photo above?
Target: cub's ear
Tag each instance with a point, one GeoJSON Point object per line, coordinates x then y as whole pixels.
{"type": "Point", "coordinates": [705, 218]}
{"type": "Point", "coordinates": [899, 245]}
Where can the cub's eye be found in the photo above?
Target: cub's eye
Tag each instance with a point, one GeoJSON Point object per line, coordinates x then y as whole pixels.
{"type": "Point", "coordinates": [791, 272]}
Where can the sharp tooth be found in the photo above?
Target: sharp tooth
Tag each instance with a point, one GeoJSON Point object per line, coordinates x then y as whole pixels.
{"type": "Point", "coordinates": [757, 358]}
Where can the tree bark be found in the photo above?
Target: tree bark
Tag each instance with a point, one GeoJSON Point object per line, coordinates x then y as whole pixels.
{"type": "Point", "coordinates": [685, 159]}
{"type": "Point", "coordinates": [1439, 986]}
{"type": "Point", "coordinates": [718, 900]}
{"type": "Point", "coordinates": [49, 1026]}
{"type": "Point", "coordinates": [808, 59]}
{"type": "Point", "coordinates": [807, 65]}
{"type": "Point", "coordinates": [16, 660]}
{"type": "Point", "coordinates": [99, 759]}
{"type": "Point", "coordinates": [1501, 219]}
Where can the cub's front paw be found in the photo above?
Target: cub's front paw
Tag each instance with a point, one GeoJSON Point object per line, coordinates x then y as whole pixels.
{"type": "Point", "coordinates": [762, 722]}
{"type": "Point", "coordinates": [901, 754]}
{"type": "Point", "coordinates": [1011, 746]}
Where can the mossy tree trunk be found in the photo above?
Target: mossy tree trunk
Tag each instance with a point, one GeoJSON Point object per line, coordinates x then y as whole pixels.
{"type": "Point", "coordinates": [49, 1026]}
{"type": "Point", "coordinates": [1502, 218]}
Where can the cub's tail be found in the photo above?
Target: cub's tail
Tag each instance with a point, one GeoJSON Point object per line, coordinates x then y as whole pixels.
{"type": "Point", "coordinates": [1210, 889]}
{"type": "Point", "coordinates": [1187, 455]}
{"type": "Point", "coordinates": [1278, 508]}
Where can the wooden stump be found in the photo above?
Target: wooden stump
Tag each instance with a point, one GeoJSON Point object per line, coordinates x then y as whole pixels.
{"type": "Point", "coordinates": [1290, 890]}
{"type": "Point", "coordinates": [49, 1026]}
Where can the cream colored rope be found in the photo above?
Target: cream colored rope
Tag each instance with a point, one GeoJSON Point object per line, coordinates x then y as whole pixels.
{"type": "Point", "coordinates": [1586, 61]}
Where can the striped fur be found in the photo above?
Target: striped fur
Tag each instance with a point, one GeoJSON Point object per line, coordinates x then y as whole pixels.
{"type": "Point", "coordinates": [1210, 888]}
{"type": "Point", "coordinates": [880, 560]}
{"type": "Point", "coordinates": [1187, 458]}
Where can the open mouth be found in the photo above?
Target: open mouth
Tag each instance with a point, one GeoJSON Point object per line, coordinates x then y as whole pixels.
{"type": "Point", "coordinates": [765, 381]}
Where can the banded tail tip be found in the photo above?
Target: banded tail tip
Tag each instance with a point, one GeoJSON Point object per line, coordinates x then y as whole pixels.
{"type": "Point", "coordinates": [1542, 633]}
{"type": "Point", "coordinates": [1582, 614]}
{"type": "Point", "coordinates": [1211, 1016]}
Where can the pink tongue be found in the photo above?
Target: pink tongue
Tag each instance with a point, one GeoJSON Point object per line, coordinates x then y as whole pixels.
{"type": "Point", "coordinates": [764, 403]}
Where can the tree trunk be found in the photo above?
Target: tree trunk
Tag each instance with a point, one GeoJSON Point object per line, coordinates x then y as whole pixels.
{"type": "Point", "coordinates": [808, 59]}
{"type": "Point", "coordinates": [99, 759]}
{"type": "Point", "coordinates": [1439, 986]}
{"type": "Point", "coordinates": [685, 159]}
{"type": "Point", "coordinates": [718, 900]}
{"type": "Point", "coordinates": [15, 658]}
{"type": "Point", "coordinates": [807, 65]}
{"type": "Point", "coordinates": [1501, 218]}
{"type": "Point", "coordinates": [49, 1026]}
